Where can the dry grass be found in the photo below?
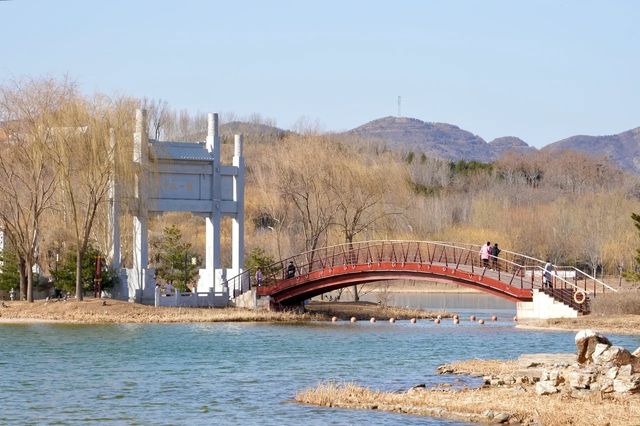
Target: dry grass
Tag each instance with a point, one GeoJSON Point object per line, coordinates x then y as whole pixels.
{"type": "Point", "coordinates": [92, 311]}
{"type": "Point", "coordinates": [615, 324]}
{"type": "Point", "coordinates": [483, 367]}
{"type": "Point", "coordinates": [366, 310]}
{"type": "Point", "coordinates": [522, 403]}
{"type": "Point", "coordinates": [621, 303]}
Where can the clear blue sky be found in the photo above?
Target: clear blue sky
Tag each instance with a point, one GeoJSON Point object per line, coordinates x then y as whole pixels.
{"type": "Point", "coordinates": [540, 70]}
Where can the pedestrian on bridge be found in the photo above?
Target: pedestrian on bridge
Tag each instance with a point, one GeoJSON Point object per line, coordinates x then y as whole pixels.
{"type": "Point", "coordinates": [495, 252]}
{"type": "Point", "coordinates": [259, 277]}
{"type": "Point", "coordinates": [547, 275]}
{"type": "Point", "coordinates": [291, 270]}
{"type": "Point", "coordinates": [485, 254]}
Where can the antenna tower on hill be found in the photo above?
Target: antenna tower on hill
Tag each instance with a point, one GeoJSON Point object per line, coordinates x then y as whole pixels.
{"type": "Point", "coordinates": [399, 106]}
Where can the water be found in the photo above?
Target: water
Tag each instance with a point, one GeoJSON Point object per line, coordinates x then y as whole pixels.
{"type": "Point", "coordinates": [235, 373]}
{"type": "Point", "coordinates": [461, 303]}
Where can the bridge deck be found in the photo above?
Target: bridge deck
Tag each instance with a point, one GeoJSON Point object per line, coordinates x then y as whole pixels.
{"type": "Point", "coordinates": [512, 276]}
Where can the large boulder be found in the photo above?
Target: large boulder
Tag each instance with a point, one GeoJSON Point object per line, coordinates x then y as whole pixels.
{"type": "Point", "coordinates": [586, 342]}
{"type": "Point", "coordinates": [613, 355]}
{"type": "Point", "coordinates": [629, 384]}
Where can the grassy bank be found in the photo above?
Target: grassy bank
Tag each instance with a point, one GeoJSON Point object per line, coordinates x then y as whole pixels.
{"type": "Point", "coordinates": [518, 404]}
{"type": "Point", "coordinates": [93, 311]}
{"type": "Point", "coordinates": [609, 324]}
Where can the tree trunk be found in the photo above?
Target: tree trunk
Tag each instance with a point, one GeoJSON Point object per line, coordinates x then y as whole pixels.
{"type": "Point", "coordinates": [29, 283]}
{"type": "Point", "coordinates": [23, 279]}
{"type": "Point", "coordinates": [78, 275]}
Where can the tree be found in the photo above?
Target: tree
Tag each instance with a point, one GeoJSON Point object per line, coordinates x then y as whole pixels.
{"type": "Point", "coordinates": [82, 152]}
{"type": "Point", "coordinates": [306, 186]}
{"type": "Point", "coordinates": [65, 274]}
{"type": "Point", "coordinates": [635, 275]}
{"type": "Point", "coordinates": [9, 267]}
{"type": "Point", "coordinates": [174, 258]}
{"type": "Point", "coordinates": [27, 178]}
{"type": "Point", "coordinates": [359, 191]}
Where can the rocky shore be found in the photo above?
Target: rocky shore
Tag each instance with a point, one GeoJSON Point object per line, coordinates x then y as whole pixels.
{"type": "Point", "coordinates": [598, 385]}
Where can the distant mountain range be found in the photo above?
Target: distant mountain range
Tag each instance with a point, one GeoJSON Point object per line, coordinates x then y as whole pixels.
{"type": "Point", "coordinates": [622, 149]}
{"type": "Point", "coordinates": [450, 142]}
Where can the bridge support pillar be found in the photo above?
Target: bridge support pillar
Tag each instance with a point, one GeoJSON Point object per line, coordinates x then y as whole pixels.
{"type": "Point", "coordinates": [544, 306]}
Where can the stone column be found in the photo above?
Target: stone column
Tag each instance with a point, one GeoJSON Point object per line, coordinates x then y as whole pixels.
{"type": "Point", "coordinates": [140, 219]}
{"type": "Point", "coordinates": [114, 207]}
{"type": "Point", "coordinates": [237, 226]}
{"type": "Point", "coordinates": [213, 220]}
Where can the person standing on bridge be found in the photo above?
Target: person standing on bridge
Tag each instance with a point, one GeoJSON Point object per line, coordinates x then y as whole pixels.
{"type": "Point", "coordinates": [547, 275]}
{"type": "Point", "coordinates": [495, 252]}
{"type": "Point", "coordinates": [485, 254]}
{"type": "Point", "coordinates": [291, 270]}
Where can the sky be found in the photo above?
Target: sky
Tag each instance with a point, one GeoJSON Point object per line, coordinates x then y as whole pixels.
{"type": "Point", "coordinates": [541, 70]}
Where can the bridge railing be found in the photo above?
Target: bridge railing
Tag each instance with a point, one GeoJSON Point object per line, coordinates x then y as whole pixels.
{"type": "Point", "coordinates": [578, 278]}
{"type": "Point", "coordinates": [515, 269]}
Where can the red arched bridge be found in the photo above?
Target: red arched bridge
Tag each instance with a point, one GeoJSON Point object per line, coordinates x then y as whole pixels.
{"type": "Point", "coordinates": [510, 275]}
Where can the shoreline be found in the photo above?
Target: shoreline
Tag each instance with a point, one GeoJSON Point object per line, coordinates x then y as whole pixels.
{"type": "Point", "coordinates": [109, 311]}
{"type": "Point", "coordinates": [526, 391]}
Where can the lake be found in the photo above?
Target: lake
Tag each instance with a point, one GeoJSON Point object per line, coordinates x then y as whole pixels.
{"type": "Point", "coordinates": [236, 373]}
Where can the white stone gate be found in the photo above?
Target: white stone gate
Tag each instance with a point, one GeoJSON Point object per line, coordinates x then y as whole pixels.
{"type": "Point", "coordinates": [182, 177]}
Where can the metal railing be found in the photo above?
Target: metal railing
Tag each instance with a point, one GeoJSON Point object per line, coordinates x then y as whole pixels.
{"type": "Point", "coordinates": [514, 269]}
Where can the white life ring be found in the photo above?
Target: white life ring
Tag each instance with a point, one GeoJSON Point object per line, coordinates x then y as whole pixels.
{"type": "Point", "coordinates": [579, 297]}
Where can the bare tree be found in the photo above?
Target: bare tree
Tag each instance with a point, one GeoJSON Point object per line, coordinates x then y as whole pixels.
{"type": "Point", "coordinates": [27, 178]}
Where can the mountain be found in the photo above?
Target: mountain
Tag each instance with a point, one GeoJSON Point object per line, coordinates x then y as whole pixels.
{"type": "Point", "coordinates": [439, 140]}
{"type": "Point", "coordinates": [622, 149]}
{"type": "Point", "coordinates": [255, 131]}
{"type": "Point", "coordinates": [509, 143]}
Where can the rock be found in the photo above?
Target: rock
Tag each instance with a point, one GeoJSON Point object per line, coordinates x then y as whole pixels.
{"type": "Point", "coordinates": [551, 376]}
{"type": "Point", "coordinates": [445, 369]}
{"type": "Point", "coordinates": [417, 388]}
{"type": "Point", "coordinates": [614, 354]}
{"type": "Point", "coordinates": [545, 388]}
{"type": "Point", "coordinates": [628, 384]}
{"type": "Point", "coordinates": [580, 380]}
{"type": "Point", "coordinates": [604, 385]}
{"type": "Point", "coordinates": [636, 352]}
{"type": "Point", "coordinates": [612, 373]}
{"type": "Point", "coordinates": [501, 418]}
{"type": "Point", "coordinates": [625, 371]}
{"type": "Point", "coordinates": [586, 341]}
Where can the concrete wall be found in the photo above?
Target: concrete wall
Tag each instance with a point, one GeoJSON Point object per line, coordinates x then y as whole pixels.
{"type": "Point", "coordinates": [192, 300]}
{"type": "Point", "coordinates": [544, 307]}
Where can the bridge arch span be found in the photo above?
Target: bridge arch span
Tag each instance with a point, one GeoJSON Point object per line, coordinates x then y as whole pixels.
{"type": "Point", "coordinates": [511, 275]}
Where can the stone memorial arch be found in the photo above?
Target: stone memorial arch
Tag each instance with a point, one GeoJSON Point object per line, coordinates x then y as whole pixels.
{"type": "Point", "coordinates": [181, 177]}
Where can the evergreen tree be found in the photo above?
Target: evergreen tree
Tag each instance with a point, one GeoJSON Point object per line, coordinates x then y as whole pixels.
{"type": "Point", "coordinates": [174, 259]}
{"type": "Point", "coordinates": [9, 268]}
{"type": "Point", "coordinates": [64, 276]}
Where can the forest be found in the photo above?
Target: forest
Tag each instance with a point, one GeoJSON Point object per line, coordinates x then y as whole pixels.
{"type": "Point", "coordinates": [60, 149]}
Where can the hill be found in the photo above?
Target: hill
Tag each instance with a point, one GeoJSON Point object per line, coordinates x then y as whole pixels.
{"type": "Point", "coordinates": [622, 149]}
{"type": "Point", "coordinates": [509, 143]}
{"type": "Point", "coordinates": [252, 131]}
{"type": "Point", "coordinates": [439, 140]}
